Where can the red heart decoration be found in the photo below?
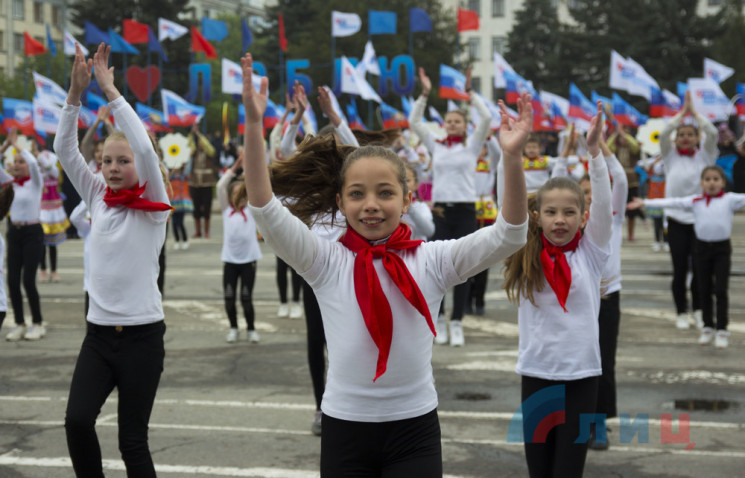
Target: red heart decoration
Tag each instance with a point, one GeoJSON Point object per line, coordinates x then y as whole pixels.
{"type": "Point", "coordinates": [138, 83]}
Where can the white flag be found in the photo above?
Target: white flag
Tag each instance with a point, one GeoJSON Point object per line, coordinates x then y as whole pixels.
{"type": "Point", "coordinates": [716, 71]}
{"type": "Point", "coordinates": [46, 115]}
{"type": "Point", "coordinates": [709, 100]}
{"type": "Point", "coordinates": [621, 74]}
{"type": "Point", "coordinates": [48, 91]}
{"type": "Point", "coordinates": [452, 106]}
{"type": "Point", "coordinates": [232, 78]}
{"type": "Point", "coordinates": [554, 103]}
{"type": "Point", "coordinates": [643, 81]}
{"type": "Point", "coordinates": [353, 83]}
{"type": "Point", "coordinates": [500, 66]}
{"type": "Point", "coordinates": [344, 24]}
{"type": "Point", "coordinates": [70, 42]}
{"type": "Point", "coordinates": [369, 61]}
{"type": "Point", "coordinates": [168, 30]}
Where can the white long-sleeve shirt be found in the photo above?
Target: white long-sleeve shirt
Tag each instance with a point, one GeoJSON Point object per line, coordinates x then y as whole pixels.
{"type": "Point", "coordinates": [419, 218]}
{"type": "Point", "coordinates": [406, 390]}
{"type": "Point", "coordinates": [713, 221]}
{"type": "Point", "coordinates": [125, 243]}
{"type": "Point", "coordinates": [26, 206]}
{"type": "Point", "coordinates": [239, 242]}
{"type": "Point", "coordinates": [558, 345]}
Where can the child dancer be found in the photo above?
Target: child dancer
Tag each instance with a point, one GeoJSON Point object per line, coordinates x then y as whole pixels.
{"type": "Point", "coordinates": [53, 219]}
{"type": "Point", "coordinates": [555, 279]}
{"type": "Point", "coordinates": [379, 407]}
{"type": "Point", "coordinates": [182, 204]}
{"type": "Point", "coordinates": [713, 212]}
{"type": "Point", "coordinates": [123, 347]}
{"type": "Point", "coordinates": [25, 240]}
{"type": "Point", "coordinates": [240, 251]}
{"type": "Point", "coordinates": [656, 190]}
{"type": "Point", "coordinates": [419, 216]}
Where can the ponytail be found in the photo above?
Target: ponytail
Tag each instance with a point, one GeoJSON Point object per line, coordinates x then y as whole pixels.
{"type": "Point", "coordinates": [523, 272]}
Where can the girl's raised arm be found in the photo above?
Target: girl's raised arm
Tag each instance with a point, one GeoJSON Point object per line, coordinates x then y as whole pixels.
{"type": "Point", "coordinates": [417, 113]}
{"type": "Point", "coordinates": [258, 186]}
{"type": "Point", "coordinates": [512, 137]}
{"type": "Point", "coordinates": [598, 228]}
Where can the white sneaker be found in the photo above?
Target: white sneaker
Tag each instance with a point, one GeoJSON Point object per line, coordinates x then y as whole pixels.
{"type": "Point", "coordinates": [656, 247]}
{"type": "Point", "coordinates": [682, 322]}
{"type": "Point", "coordinates": [707, 334]}
{"type": "Point", "coordinates": [232, 336]}
{"type": "Point", "coordinates": [721, 340]}
{"type": "Point", "coordinates": [253, 337]}
{"type": "Point", "coordinates": [697, 319]}
{"type": "Point", "coordinates": [296, 311]}
{"type": "Point", "coordinates": [35, 332]}
{"type": "Point", "coordinates": [456, 334]}
{"type": "Point", "coordinates": [16, 333]}
{"type": "Point", "coordinates": [176, 246]}
{"type": "Point", "coordinates": [441, 327]}
{"type": "Point", "coordinates": [185, 245]}
{"type": "Point", "coordinates": [284, 310]}
{"type": "Point", "coordinates": [666, 247]}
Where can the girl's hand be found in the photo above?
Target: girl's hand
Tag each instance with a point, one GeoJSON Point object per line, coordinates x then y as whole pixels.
{"type": "Point", "coordinates": [688, 104]}
{"type": "Point", "coordinates": [80, 77]}
{"type": "Point", "coordinates": [468, 78]}
{"type": "Point", "coordinates": [324, 101]}
{"type": "Point", "coordinates": [514, 134]}
{"type": "Point", "coordinates": [289, 103]}
{"type": "Point", "coordinates": [254, 102]}
{"type": "Point", "coordinates": [12, 137]}
{"type": "Point", "coordinates": [104, 73]}
{"type": "Point", "coordinates": [301, 101]}
{"type": "Point", "coordinates": [634, 204]}
{"type": "Point", "coordinates": [426, 83]}
{"type": "Point", "coordinates": [593, 134]}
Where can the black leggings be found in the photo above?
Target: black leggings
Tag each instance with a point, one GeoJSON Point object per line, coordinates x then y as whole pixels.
{"type": "Point", "coordinates": [397, 449]}
{"type": "Point", "coordinates": [52, 258]}
{"type": "Point", "coordinates": [132, 361]}
{"type": "Point", "coordinates": [557, 456]}
{"type": "Point", "coordinates": [609, 320]}
{"type": "Point", "coordinates": [25, 248]}
{"type": "Point", "coordinates": [659, 229]}
{"type": "Point", "coordinates": [230, 274]}
{"type": "Point", "coordinates": [179, 231]}
{"type": "Point", "coordinates": [316, 343]}
{"type": "Point", "coordinates": [458, 220]}
{"type": "Point", "coordinates": [282, 282]}
{"type": "Point", "coordinates": [682, 239]}
{"type": "Point", "coordinates": [713, 260]}
{"type": "Point", "coordinates": [202, 199]}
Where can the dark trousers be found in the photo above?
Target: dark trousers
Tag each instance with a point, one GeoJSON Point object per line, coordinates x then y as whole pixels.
{"type": "Point", "coordinates": [2, 318]}
{"type": "Point", "coordinates": [659, 230]}
{"type": "Point", "coordinates": [559, 456]}
{"type": "Point", "coordinates": [609, 320]}
{"type": "Point", "coordinates": [202, 199]}
{"type": "Point", "coordinates": [230, 274]}
{"type": "Point", "coordinates": [714, 260]}
{"type": "Point", "coordinates": [162, 271]}
{"type": "Point", "coordinates": [316, 343]}
{"type": "Point", "coordinates": [458, 220]}
{"type": "Point", "coordinates": [179, 231]}
{"type": "Point", "coordinates": [398, 449]}
{"type": "Point", "coordinates": [282, 269]}
{"type": "Point", "coordinates": [52, 258]}
{"type": "Point", "coordinates": [130, 359]}
{"type": "Point", "coordinates": [478, 288]}
{"type": "Point", "coordinates": [682, 240]}
{"type": "Point", "coordinates": [25, 248]}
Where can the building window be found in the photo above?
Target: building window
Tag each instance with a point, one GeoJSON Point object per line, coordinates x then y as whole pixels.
{"type": "Point", "coordinates": [18, 42]}
{"type": "Point", "coordinates": [18, 9]}
{"type": "Point", "coordinates": [497, 8]}
{"type": "Point", "coordinates": [476, 84]}
{"type": "Point", "coordinates": [475, 6]}
{"type": "Point", "coordinates": [474, 48]}
{"type": "Point", "coordinates": [56, 16]}
{"type": "Point", "coordinates": [498, 45]}
{"type": "Point", "coordinates": [38, 12]}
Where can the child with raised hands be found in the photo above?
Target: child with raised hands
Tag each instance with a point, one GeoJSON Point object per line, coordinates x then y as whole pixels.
{"type": "Point", "coordinates": [377, 289]}
{"type": "Point", "coordinates": [123, 346]}
{"type": "Point", "coordinates": [556, 280]}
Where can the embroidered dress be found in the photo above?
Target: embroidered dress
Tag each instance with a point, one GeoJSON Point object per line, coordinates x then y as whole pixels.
{"type": "Point", "coordinates": [53, 218]}
{"type": "Point", "coordinates": [181, 200]}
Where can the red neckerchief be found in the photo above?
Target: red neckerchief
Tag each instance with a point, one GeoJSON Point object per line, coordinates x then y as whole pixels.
{"type": "Point", "coordinates": [451, 140]}
{"type": "Point", "coordinates": [686, 152]}
{"type": "Point", "coordinates": [708, 198]}
{"type": "Point", "coordinates": [131, 198]}
{"type": "Point", "coordinates": [21, 181]}
{"type": "Point", "coordinates": [370, 297]}
{"type": "Point", "coordinates": [556, 268]}
{"type": "Point", "coordinates": [240, 211]}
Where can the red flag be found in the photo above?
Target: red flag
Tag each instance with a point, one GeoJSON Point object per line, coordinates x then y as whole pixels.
{"type": "Point", "coordinates": [31, 46]}
{"type": "Point", "coordinates": [282, 37]}
{"type": "Point", "coordinates": [467, 20]}
{"type": "Point", "coordinates": [135, 32]}
{"type": "Point", "coordinates": [199, 43]}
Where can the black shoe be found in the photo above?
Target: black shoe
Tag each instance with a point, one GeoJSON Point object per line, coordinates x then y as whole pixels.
{"type": "Point", "coordinates": [479, 310]}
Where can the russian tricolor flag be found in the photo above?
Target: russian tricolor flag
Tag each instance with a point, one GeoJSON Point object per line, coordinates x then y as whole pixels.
{"type": "Point", "coordinates": [178, 111]}
{"type": "Point", "coordinates": [452, 84]}
{"type": "Point", "coordinates": [392, 118]}
{"type": "Point", "coordinates": [626, 114]}
{"type": "Point", "coordinates": [355, 122]}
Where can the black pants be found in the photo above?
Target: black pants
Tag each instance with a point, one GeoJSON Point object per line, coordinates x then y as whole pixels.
{"type": "Point", "coordinates": [398, 449]}
{"type": "Point", "coordinates": [714, 260]}
{"type": "Point", "coordinates": [316, 343]}
{"type": "Point", "coordinates": [202, 199]}
{"type": "Point", "coordinates": [132, 361]}
{"type": "Point", "coordinates": [609, 320]}
{"type": "Point", "coordinates": [682, 240]}
{"type": "Point", "coordinates": [179, 231]}
{"type": "Point", "coordinates": [559, 456]}
{"type": "Point", "coordinates": [162, 270]}
{"type": "Point", "coordinates": [282, 268]}
{"type": "Point", "coordinates": [659, 230]}
{"type": "Point", "coordinates": [2, 318]}
{"type": "Point", "coordinates": [52, 258]}
{"type": "Point", "coordinates": [230, 274]}
{"type": "Point", "coordinates": [25, 248]}
{"type": "Point", "coordinates": [458, 220]}
{"type": "Point", "coordinates": [478, 288]}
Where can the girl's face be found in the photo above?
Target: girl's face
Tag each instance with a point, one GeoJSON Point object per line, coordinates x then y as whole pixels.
{"type": "Point", "coordinates": [587, 189]}
{"type": "Point", "coordinates": [118, 165]}
{"type": "Point", "coordinates": [233, 190]}
{"type": "Point", "coordinates": [20, 167]}
{"type": "Point", "coordinates": [372, 198]}
{"type": "Point", "coordinates": [455, 125]}
{"type": "Point", "coordinates": [532, 149]}
{"type": "Point", "coordinates": [686, 138]}
{"type": "Point", "coordinates": [98, 153]}
{"type": "Point", "coordinates": [560, 216]}
{"type": "Point", "coordinates": [712, 182]}
{"type": "Point", "coordinates": [411, 182]}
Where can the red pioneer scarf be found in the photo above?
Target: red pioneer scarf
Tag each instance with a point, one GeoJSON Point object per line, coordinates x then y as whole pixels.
{"type": "Point", "coordinates": [708, 198]}
{"type": "Point", "coordinates": [372, 301]}
{"type": "Point", "coordinates": [556, 268]}
{"type": "Point", "coordinates": [131, 198]}
{"type": "Point", "coordinates": [686, 152]}
{"type": "Point", "coordinates": [239, 211]}
{"type": "Point", "coordinates": [21, 181]}
{"type": "Point", "coordinates": [451, 140]}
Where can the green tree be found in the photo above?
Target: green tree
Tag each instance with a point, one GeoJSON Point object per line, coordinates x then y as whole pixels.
{"type": "Point", "coordinates": [722, 48]}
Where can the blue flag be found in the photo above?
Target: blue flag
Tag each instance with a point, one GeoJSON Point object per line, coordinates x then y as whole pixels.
{"type": "Point", "coordinates": [50, 43]}
{"type": "Point", "coordinates": [93, 35]}
{"type": "Point", "coordinates": [682, 88]}
{"type": "Point", "coordinates": [154, 45]}
{"type": "Point", "coordinates": [120, 45]}
{"type": "Point", "coordinates": [381, 22]}
{"type": "Point", "coordinates": [246, 35]}
{"type": "Point", "coordinates": [215, 30]}
{"type": "Point", "coordinates": [419, 21]}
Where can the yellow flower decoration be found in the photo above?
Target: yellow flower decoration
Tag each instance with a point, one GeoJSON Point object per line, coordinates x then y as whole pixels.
{"type": "Point", "coordinates": [176, 151]}
{"type": "Point", "coordinates": [649, 136]}
{"type": "Point", "coordinates": [10, 153]}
